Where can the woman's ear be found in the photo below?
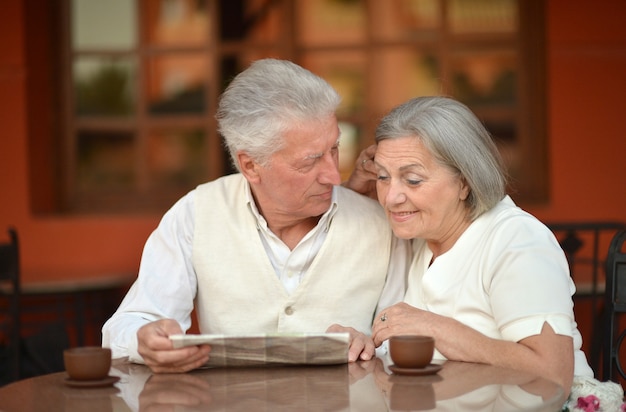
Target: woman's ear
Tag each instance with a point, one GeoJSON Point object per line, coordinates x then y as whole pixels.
{"type": "Point", "coordinates": [248, 166]}
{"type": "Point", "coordinates": [465, 189]}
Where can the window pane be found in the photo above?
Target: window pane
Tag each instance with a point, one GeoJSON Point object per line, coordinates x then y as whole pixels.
{"type": "Point", "coordinates": [349, 148]}
{"type": "Point", "coordinates": [505, 135]}
{"type": "Point", "coordinates": [177, 23]}
{"type": "Point", "coordinates": [176, 158]}
{"type": "Point", "coordinates": [322, 22]}
{"type": "Point", "coordinates": [345, 71]}
{"type": "Point", "coordinates": [404, 73]}
{"type": "Point", "coordinates": [105, 161]}
{"type": "Point", "coordinates": [484, 78]}
{"type": "Point", "coordinates": [104, 86]}
{"type": "Point", "coordinates": [98, 24]}
{"type": "Point", "coordinates": [406, 19]}
{"type": "Point", "coordinates": [483, 16]}
{"type": "Point", "coordinates": [177, 83]}
{"type": "Point", "coordinates": [257, 21]}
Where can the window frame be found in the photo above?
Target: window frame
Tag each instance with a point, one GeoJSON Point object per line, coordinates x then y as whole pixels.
{"type": "Point", "coordinates": [51, 148]}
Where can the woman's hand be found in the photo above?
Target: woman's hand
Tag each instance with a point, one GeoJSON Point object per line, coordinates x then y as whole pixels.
{"type": "Point", "coordinates": [400, 319]}
{"type": "Point", "coordinates": [546, 354]}
{"type": "Point", "coordinates": [363, 177]}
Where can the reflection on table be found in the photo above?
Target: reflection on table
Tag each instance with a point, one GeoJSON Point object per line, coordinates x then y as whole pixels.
{"type": "Point", "coordinates": [362, 386]}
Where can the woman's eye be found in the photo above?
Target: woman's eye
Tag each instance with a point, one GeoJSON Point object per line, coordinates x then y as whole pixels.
{"type": "Point", "coordinates": [413, 182]}
{"type": "Point", "coordinates": [382, 178]}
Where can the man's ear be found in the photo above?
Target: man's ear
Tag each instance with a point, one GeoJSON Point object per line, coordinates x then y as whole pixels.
{"type": "Point", "coordinates": [248, 166]}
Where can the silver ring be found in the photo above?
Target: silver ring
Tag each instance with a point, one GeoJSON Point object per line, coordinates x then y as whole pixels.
{"type": "Point", "coordinates": [383, 318]}
{"type": "Point", "coordinates": [363, 162]}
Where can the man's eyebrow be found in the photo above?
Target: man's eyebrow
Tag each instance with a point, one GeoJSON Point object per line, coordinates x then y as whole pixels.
{"type": "Point", "coordinates": [314, 156]}
{"type": "Point", "coordinates": [318, 155]}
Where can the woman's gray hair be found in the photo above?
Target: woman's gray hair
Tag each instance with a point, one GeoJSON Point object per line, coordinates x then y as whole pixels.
{"type": "Point", "coordinates": [267, 99]}
{"type": "Point", "coordinates": [457, 140]}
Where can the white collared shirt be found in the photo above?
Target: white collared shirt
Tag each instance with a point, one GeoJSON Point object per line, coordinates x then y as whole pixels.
{"type": "Point", "coordinates": [166, 270]}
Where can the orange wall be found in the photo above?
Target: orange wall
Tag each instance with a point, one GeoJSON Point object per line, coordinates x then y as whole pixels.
{"type": "Point", "coordinates": [587, 108]}
{"type": "Point", "coordinates": [51, 247]}
{"type": "Point", "coordinates": [586, 89]}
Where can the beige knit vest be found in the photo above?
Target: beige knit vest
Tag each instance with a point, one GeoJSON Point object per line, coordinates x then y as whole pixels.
{"type": "Point", "coordinates": [238, 290]}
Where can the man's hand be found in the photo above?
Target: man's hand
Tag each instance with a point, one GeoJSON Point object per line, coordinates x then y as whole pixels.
{"type": "Point", "coordinates": [361, 345]}
{"type": "Point", "coordinates": [158, 353]}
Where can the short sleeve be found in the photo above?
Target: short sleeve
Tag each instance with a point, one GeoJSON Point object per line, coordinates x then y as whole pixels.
{"type": "Point", "coordinates": [531, 284]}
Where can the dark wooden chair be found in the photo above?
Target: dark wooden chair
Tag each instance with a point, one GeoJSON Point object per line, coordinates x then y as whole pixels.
{"type": "Point", "coordinates": [10, 309]}
{"type": "Point", "coordinates": [615, 306]}
{"type": "Point", "coordinates": [585, 245]}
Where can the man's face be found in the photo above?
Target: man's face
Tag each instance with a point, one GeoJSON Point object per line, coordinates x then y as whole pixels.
{"type": "Point", "coordinates": [299, 180]}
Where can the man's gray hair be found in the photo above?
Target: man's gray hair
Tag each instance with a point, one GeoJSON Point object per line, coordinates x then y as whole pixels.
{"type": "Point", "coordinates": [267, 99]}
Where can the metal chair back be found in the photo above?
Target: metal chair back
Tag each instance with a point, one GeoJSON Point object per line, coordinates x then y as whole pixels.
{"type": "Point", "coordinates": [10, 307]}
{"type": "Point", "coordinates": [585, 245]}
{"type": "Point", "coordinates": [615, 306]}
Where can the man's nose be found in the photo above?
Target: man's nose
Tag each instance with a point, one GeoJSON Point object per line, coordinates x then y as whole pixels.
{"type": "Point", "coordinates": [330, 170]}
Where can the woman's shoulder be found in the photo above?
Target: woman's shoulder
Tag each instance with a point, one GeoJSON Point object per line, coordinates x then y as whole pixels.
{"type": "Point", "coordinates": [507, 224]}
{"type": "Point", "coordinates": [506, 215]}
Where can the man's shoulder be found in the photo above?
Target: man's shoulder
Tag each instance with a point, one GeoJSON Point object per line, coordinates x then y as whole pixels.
{"type": "Point", "coordinates": [223, 181]}
{"type": "Point", "coordinates": [349, 198]}
{"type": "Point", "coordinates": [225, 184]}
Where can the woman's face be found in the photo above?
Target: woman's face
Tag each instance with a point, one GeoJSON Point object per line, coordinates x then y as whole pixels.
{"type": "Point", "coordinates": [422, 198]}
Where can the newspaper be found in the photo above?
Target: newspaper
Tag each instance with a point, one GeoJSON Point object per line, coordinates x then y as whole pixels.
{"type": "Point", "coordinates": [266, 349]}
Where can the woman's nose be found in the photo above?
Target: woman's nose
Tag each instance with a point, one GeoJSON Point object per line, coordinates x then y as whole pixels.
{"type": "Point", "coordinates": [395, 193]}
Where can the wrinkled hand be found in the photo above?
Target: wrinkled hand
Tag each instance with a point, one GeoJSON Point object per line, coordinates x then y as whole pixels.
{"type": "Point", "coordinates": [159, 354]}
{"type": "Point", "coordinates": [400, 319]}
{"type": "Point", "coordinates": [171, 392]}
{"type": "Point", "coordinates": [364, 176]}
{"type": "Point", "coordinates": [361, 345]}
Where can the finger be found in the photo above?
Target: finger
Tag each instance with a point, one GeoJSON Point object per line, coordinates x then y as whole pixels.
{"type": "Point", "coordinates": [369, 166]}
{"type": "Point", "coordinates": [355, 351]}
{"type": "Point", "coordinates": [368, 351]}
{"type": "Point", "coordinates": [155, 335]}
{"type": "Point", "coordinates": [381, 335]}
{"type": "Point", "coordinates": [178, 360]}
{"type": "Point", "coordinates": [370, 151]}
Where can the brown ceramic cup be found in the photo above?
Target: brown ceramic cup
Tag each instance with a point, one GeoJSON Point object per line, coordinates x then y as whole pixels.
{"type": "Point", "coordinates": [87, 363]}
{"type": "Point", "coordinates": [411, 351]}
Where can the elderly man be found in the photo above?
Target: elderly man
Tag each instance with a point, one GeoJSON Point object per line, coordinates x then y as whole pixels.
{"type": "Point", "coordinates": [278, 247]}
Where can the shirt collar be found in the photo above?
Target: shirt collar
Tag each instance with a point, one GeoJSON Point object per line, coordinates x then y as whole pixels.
{"type": "Point", "coordinates": [324, 222]}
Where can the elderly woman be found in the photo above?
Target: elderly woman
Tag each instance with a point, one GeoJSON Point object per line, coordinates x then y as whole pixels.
{"type": "Point", "coordinates": [488, 281]}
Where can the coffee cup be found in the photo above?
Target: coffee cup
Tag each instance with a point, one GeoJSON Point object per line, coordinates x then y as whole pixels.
{"type": "Point", "coordinates": [87, 363]}
{"type": "Point", "coordinates": [411, 351]}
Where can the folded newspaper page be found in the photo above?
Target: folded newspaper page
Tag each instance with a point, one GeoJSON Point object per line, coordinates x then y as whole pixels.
{"type": "Point", "coordinates": [265, 349]}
